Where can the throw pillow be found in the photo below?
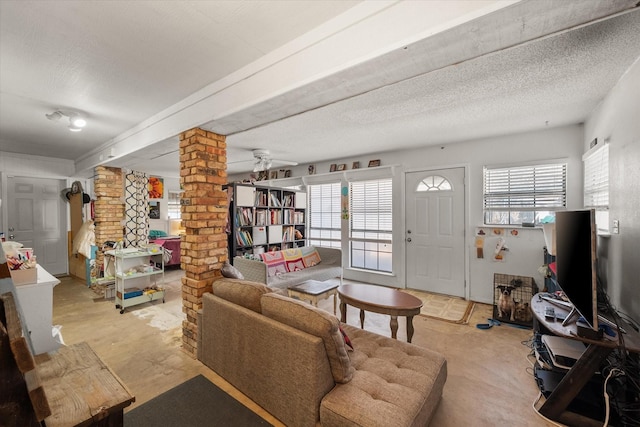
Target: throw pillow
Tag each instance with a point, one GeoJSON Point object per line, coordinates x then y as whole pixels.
{"type": "Point", "coordinates": [310, 256]}
{"type": "Point", "coordinates": [242, 292]}
{"type": "Point", "coordinates": [275, 263]}
{"type": "Point", "coordinates": [346, 338]}
{"type": "Point", "coordinates": [230, 271]}
{"type": "Point", "coordinates": [154, 234]}
{"type": "Point", "coordinates": [293, 259]}
{"type": "Point", "coordinates": [314, 321]}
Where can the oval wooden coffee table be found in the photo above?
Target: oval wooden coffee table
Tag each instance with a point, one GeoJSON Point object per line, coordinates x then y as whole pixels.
{"type": "Point", "coordinates": [380, 299]}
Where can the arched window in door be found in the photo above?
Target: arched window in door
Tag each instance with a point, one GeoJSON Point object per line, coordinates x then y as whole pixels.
{"type": "Point", "coordinates": [434, 183]}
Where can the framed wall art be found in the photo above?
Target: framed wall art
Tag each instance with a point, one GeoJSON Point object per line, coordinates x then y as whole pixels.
{"type": "Point", "coordinates": [156, 187]}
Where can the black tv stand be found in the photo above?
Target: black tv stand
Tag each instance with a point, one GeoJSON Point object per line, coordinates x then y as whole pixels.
{"type": "Point", "coordinates": [556, 403]}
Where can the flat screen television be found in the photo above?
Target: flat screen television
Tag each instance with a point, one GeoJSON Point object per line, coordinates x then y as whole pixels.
{"type": "Point", "coordinates": [576, 237]}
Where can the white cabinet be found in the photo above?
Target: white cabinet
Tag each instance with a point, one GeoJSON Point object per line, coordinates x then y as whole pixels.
{"type": "Point", "coordinates": [139, 276]}
{"type": "Point", "coordinates": [35, 305]}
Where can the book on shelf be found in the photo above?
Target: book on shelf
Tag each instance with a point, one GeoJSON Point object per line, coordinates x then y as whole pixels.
{"type": "Point", "coordinates": [288, 216]}
{"type": "Point", "coordinates": [261, 198]}
{"type": "Point", "coordinates": [288, 200]}
{"type": "Point", "coordinates": [244, 216]}
{"type": "Point", "coordinates": [275, 217]}
{"type": "Point", "coordinates": [260, 217]}
{"type": "Point", "coordinates": [288, 233]}
{"type": "Point", "coordinates": [275, 202]}
{"type": "Point", "coordinates": [243, 238]}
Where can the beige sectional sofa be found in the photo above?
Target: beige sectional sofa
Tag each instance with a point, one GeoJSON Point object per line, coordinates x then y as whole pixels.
{"type": "Point", "coordinates": [292, 360]}
{"type": "Point", "coordinates": [330, 267]}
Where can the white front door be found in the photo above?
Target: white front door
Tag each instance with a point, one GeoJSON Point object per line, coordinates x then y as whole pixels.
{"type": "Point", "coordinates": [36, 218]}
{"type": "Point", "coordinates": [434, 237]}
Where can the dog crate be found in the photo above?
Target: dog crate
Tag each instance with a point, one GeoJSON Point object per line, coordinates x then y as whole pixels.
{"type": "Point", "coordinates": [512, 298]}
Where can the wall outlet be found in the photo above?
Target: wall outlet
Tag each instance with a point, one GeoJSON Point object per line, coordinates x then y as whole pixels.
{"type": "Point", "coordinates": [616, 227]}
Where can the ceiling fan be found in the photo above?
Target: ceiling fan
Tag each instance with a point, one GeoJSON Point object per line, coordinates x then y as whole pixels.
{"type": "Point", "coordinates": [262, 161]}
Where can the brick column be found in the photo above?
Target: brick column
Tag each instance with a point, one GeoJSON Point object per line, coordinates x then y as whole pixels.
{"type": "Point", "coordinates": [109, 207]}
{"type": "Point", "coordinates": [203, 171]}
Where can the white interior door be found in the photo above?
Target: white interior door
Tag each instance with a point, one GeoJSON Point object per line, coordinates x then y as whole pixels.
{"type": "Point", "coordinates": [434, 236]}
{"type": "Point", "coordinates": [36, 218]}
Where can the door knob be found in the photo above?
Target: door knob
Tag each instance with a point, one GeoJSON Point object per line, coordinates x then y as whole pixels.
{"type": "Point", "coordinates": [12, 236]}
{"type": "Point", "coordinates": [408, 239]}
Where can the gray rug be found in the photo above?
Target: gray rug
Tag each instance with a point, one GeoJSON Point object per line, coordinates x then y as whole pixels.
{"type": "Point", "coordinates": [194, 403]}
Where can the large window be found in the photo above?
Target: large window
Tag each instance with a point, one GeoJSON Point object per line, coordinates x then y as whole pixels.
{"type": "Point", "coordinates": [324, 215]}
{"type": "Point", "coordinates": [524, 194]}
{"type": "Point", "coordinates": [370, 239]}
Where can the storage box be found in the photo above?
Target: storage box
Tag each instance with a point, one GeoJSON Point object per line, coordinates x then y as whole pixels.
{"type": "Point", "coordinates": [24, 277]}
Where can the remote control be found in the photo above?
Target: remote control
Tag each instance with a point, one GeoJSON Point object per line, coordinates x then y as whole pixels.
{"type": "Point", "coordinates": [549, 313]}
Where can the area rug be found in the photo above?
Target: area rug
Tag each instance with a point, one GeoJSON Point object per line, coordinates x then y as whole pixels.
{"type": "Point", "coordinates": [195, 403]}
{"type": "Point", "coordinates": [444, 307]}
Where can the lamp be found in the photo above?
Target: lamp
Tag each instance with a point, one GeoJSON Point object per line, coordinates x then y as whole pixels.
{"type": "Point", "coordinates": [76, 120]}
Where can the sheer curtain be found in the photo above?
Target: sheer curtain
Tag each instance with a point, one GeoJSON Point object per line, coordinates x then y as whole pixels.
{"type": "Point", "coordinates": [136, 199]}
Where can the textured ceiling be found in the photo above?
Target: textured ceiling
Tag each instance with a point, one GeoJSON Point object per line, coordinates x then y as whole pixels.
{"type": "Point", "coordinates": [525, 66]}
{"type": "Point", "coordinates": [551, 82]}
{"type": "Point", "coordinates": [120, 62]}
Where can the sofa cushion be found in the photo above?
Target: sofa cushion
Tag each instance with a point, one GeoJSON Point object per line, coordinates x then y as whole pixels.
{"type": "Point", "coordinates": [395, 383]}
{"type": "Point", "coordinates": [242, 292]}
{"type": "Point", "coordinates": [314, 321]}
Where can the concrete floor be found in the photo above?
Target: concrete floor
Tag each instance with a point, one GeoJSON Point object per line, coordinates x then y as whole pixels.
{"type": "Point", "coordinates": [489, 380]}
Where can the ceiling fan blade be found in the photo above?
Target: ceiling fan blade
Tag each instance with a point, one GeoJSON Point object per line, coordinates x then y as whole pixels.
{"type": "Point", "coordinates": [277, 162]}
{"type": "Point", "coordinates": [237, 162]}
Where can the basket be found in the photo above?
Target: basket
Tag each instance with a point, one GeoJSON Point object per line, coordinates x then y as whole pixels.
{"type": "Point", "coordinates": [515, 307]}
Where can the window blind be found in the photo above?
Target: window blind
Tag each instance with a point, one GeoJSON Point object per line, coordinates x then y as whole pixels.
{"type": "Point", "coordinates": [522, 188]}
{"type": "Point", "coordinates": [371, 224]}
{"type": "Point", "coordinates": [324, 215]}
{"type": "Point", "coordinates": [596, 179]}
{"type": "Point", "coordinates": [371, 206]}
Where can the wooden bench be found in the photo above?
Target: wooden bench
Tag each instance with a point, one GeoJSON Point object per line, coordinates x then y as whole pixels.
{"type": "Point", "coordinates": [71, 386]}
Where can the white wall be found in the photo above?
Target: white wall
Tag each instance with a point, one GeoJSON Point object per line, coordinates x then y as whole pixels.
{"type": "Point", "coordinates": [525, 252]}
{"type": "Point", "coordinates": [617, 119]}
{"type": "Point", "coordinates": [170, 184]}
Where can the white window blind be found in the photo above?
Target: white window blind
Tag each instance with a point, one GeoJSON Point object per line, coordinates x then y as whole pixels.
{"type": "Point", "coordinates": [596, 179]}
{"type": "Point", "coordinates": [371, 224]}
{"type": "Point", "coordinates": [513, 195]}
{"type": "Point", "coordinates": [324, 215]}
{"type": "Point", "coordinates": [173, 206]}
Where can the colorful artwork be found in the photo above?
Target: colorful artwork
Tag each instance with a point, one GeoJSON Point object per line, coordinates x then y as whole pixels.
{"type": "Point", "coordinates": [156, 187]}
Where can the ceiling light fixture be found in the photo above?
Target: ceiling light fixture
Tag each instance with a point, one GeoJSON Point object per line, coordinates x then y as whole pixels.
{"type": "Point", "coordinates": [76, 120]}
{"type": "Point", "coordinates": [262, 164]}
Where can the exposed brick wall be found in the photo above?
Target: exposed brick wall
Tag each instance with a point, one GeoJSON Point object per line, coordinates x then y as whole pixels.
{"type": "Point", "coordinates": [109, 207]}
{"type": "Point", "coordinates": [203, 172]}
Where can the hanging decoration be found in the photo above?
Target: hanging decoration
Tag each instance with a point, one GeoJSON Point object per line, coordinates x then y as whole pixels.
{"type": "Point", "coordinates": [136, 214]}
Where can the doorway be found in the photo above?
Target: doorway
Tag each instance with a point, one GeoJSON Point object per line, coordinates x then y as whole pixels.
{"type": "Point", "coordinates": [36, 218]}
{"type": "Point", "coordinates": [434, 238]}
